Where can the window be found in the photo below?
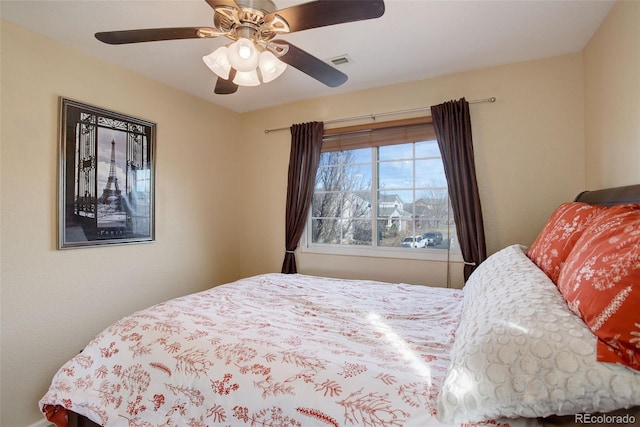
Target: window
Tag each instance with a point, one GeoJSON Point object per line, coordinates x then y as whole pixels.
{"type": "Point", "coordinates": [385, 195]}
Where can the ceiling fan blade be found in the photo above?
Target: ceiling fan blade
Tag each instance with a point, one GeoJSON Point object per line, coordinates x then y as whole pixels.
{"type": "Point", "coordinates": [156, 34]}
{"type": "Point", "coordinates": [321, 13]}
{"type": "Point", "coordinates": [311, 65]}
{"type": "Point", "coordinates": [226, 87]}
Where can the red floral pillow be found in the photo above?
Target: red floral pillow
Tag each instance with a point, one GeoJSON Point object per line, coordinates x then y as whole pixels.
{"type": "Point", "coordinates": [560, 233]}
{"type": "Point", "coordinates": [600, 281]}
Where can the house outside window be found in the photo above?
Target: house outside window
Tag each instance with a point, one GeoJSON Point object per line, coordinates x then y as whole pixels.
{"type": "Point", "coordinates": [385, 195]}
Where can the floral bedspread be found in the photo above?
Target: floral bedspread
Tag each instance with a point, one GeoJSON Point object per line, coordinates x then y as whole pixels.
{"type": "Point", "coordinates": [270, 350]}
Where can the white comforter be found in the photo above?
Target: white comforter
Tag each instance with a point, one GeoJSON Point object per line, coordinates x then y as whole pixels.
{"type": "Point", "coordinates": [271, 350]}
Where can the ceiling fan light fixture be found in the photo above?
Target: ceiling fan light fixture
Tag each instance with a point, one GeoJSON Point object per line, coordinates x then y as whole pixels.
{"type": "Point", "coordinates": [270, 66]}
{"type": "Point", "coordinates": [251, 26]}
{"type": "Point", "coordinates": [243, 55]}
{"type": "Point", "coordinates": [218, 63]}
{"type": "Point", "coordinates": [247, 78]}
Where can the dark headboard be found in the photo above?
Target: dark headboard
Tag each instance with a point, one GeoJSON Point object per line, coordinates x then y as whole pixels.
{"type": "Point", "coordinates": [611, 196]}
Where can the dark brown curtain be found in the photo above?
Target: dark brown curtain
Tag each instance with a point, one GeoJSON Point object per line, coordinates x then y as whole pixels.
{"type": "Point", "coordinates": [306, 146]}
{"type": "Point", "coordinates": [452, 125]}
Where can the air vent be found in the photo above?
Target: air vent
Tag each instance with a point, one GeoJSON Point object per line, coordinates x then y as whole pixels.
{"type": "Point", "coordinates": [340, 60]}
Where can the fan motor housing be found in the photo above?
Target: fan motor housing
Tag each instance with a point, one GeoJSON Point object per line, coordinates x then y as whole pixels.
{"type": "Point", "coordinates": [247, 21]}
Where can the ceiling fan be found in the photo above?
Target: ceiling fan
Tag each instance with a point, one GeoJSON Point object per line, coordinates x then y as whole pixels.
{"type": "Point", "coordinates": [252, 25]}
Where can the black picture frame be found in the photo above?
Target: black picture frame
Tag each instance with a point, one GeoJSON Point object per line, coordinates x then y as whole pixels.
{"type": "Point", "coordinates": [107, 177]}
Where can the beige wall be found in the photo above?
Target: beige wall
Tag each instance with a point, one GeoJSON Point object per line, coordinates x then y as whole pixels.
{"type": "Point", "coordinates": [529, 149]}
{"type": "Point", "coordinates": [54, 301]}
{"type": "Point", "coordinates": [612, 99]}
{"type": "Point", "coordinates": [530, 153]}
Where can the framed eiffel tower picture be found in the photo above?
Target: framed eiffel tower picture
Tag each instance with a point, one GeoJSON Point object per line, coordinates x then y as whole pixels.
{"type": "Point", "coordinates": [107, 177]}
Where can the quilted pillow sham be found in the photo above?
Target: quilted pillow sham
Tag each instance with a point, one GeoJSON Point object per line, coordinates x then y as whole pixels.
{"type": "Point", "coordinates": [556, 239]}
{"type": "Point", "coordinates": [520, 352]}
{"type": "Point", "coordinates": [601, 283]}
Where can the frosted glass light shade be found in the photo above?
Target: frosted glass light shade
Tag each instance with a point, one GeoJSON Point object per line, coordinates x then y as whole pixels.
{"type": "Point", "coordinates": [270, 66]}
{"type": "Point", "coordinates": [218, 63]}
{"type": "Point", "coordinates": [243, 55]}
{"type": "Point", "coordinates": [247, 78]}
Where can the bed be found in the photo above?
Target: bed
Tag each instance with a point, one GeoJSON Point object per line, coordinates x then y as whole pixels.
{"type": "Point", "coordinates": [515, 348]}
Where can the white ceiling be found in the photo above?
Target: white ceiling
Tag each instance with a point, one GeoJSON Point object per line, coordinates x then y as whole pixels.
{"type": "Point", "coordinates": [413, 40]}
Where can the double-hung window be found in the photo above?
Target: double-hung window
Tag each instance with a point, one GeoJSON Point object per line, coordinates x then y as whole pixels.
{"type": "Point", "coordinates": [381, 191]}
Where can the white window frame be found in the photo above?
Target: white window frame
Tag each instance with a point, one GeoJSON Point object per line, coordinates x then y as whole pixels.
{"type": "Point", "coordinates": [452, 254]}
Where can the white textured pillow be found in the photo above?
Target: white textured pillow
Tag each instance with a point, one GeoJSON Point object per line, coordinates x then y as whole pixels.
{"type": "Point", "coordinates": [520, 352]}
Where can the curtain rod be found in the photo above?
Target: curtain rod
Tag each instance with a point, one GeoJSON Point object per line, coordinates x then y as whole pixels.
{"type": "Point", "coordinates": [373, 116]}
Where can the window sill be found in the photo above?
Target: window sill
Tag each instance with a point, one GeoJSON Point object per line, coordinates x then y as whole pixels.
{"type": "Point", "coordinates": [423, 254]}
